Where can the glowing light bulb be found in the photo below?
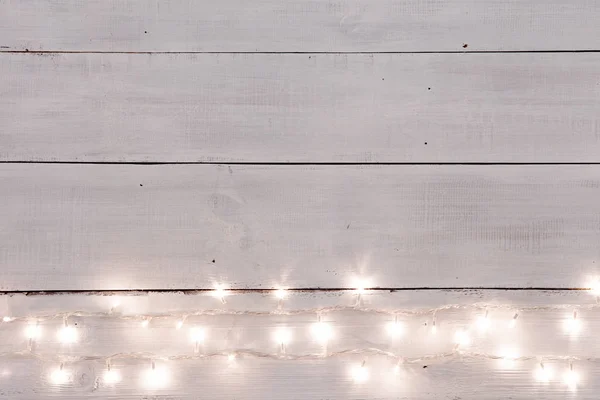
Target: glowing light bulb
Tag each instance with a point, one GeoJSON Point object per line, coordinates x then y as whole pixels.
{"type": "Point", "coordinates": [322, 332]}
{"type": "Point", "coordinates": [33, 331]}
{"type": "Point", "coordinates": [543, 373]}
{"type": "Point", "coordinates": [571, 379]}
{"type": "Point", "coordinates": [572, 325]}
{"type": "Point", "coordinates": [280, 293]}
{"type": "Point", "coordinates": [197, 334]}
{"type": "Point", "coordinates": [67, 335]}
{"type": "Point", "coordinates": [231, 357]}
{"type": "Point", "coordinates": [513, 322]}
{"type": "Point", "coordinates": [220, 292]}
{"type": "Point", "coordinates": [462, 338]}
{"type": "Point", "coordinates": [360, 373]}
{"type": "Point", "coordinates": [7, 319]}
{"type": "Point", "coordinates": [594, 286]}
{"type": "Point", "coordinates": [145, 322]}
{"type": "Point", "coordinates": [111, 377]}
{"type": "Point", "coordinates": [395, 328]}
{"type": "Point", "coordinates": [179, 324]}
{"type": "Point", "coordinates": [156, 377]}
{"type": "Point", "coordinates": [484, 323]}
{"type": "Point", "coordinates": [59, 376]}
{"type": "Point", "coordinates": [282, 336]}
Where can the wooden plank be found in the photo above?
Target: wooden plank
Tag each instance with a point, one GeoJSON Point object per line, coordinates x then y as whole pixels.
{"type": "Point", "coordinates": [298, 25]}
{"type": "Point", "coordinates": [128, 226]}
{"type": "Point", "coordinates": [431, 366]}
{"type": "Point", "coordinates": [325, 379]}
{"type": "Point", "coordinates": [297, 107]}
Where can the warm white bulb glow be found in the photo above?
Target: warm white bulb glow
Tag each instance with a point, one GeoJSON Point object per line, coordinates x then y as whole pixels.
{"type": "Point", "coordinates": [594, 286]}
{"type": "Point", "coordinates": [282, 336]}
{"type": "Point", "coordinates": [433, 329]}
{"type": "Point", "coordinates": [67, 335]}
{"type": "Point", "coordinates": [197, 334]}
{"type": "Point", "coordinates": [111, 377]}
{"type": "Point", "coordinates": [220, 292]}
{"type": "Point", "coordinates": [6, 319]}
{"type": "Point", "coordinates": [361, 285]}
{"type": "Point", "coordinates": [543, 373]}
{"type": "Point", "coordinates": [571, 379]}
{"type": "Point", "coordinates": [281, 293]}
{"type": "Point", "coordinates": [395, 329]}
{"type": "Point", "coordinates": [572, 325]}
{"type": "Point", "coordinates": [33, 331]}
{"type": "Point", "coordinates": [155, 378]}
{"type": "Point", "coordinates": [231, 357]}
{"type": "Point", "coordinates": [322, 332]}
{"type": "Point", "coordinates": [179, 324]}
{"type": "Point", "coordinates": [462, 338]}
{"type": "Point", "coordinates": [483, 323]}
{"type": "Point", "coordinates": [59, 376]}
{"type": "Point", "coordinates": [512, 323]}
{"type": "Point", "coordinates": [145, 323]}
{"type": "Point", "coordinates": [360, 374]}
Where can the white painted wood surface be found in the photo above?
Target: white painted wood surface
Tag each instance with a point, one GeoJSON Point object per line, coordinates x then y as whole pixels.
{"type": "Point", "coordinates": [190, 226]}
{"type": "Point", "coordinates": [301, 226]}
{"type": "Point", "coordinates": [431, 367]}
{"type": "Point", "coordinates": [298, 25]}
{"type": "Point", "coordinates": [298, 107]}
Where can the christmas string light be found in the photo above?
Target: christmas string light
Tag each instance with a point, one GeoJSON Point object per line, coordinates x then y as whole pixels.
{"type": "Point", "coordinates": [323, 333]}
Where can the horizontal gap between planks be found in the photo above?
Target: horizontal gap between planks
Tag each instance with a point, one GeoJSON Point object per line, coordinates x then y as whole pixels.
{"type": "Point", "coordinates": [290, 163]}
{"type": "Point", "coordinates": [108, 292]}
{"type": "Point", "coordinates": [300, 52]}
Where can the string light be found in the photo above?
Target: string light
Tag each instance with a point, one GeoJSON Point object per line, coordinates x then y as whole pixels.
{"type": "Point", "coordinates": [594, 286]}
{"type": "Point", "coordinates": [282, 336]}
{"type": "Point", "coordinates": [322, 332]}
{"type": "Point", "coordinates": [67, 334]}
{"type": "Point", "coordinates": [197, 336]}
{"type": "Point", "coordinates": [543, 373]}
{"type": "Point", "coordinates": [571, 378]}
{"type": "Point", "coordinates": [462, 338]}
{"type": "Point", "coordinates": [280, 293]}
{"type": "Point", "coordinates": [484, 322]}
{"type": "Point", "coordinates": [220, 292]}
{"type": "Point", "coordinates": [33, 331]}
{"type": "Point", "coordinates": [111, 376]}
{"type": "Point", "coordinates": [6, 319]}
{"type": "Point", "coordinates": [155, 377]}
{"type": "Point", "coordinates": [180, 323]}
{"type": "Point", "coordinates": [59, 376]}
{"type": "Point", "coordinates": [572, 325]}
{"type": "Point", "coordinates": [508, 357]}
{"type": "Point", "coordinates": [231, 357]}
{"type": "Point", "coordinates": [360, 373]}
{"type": "Point", "coordinates": [513, 322]}
{"type": "Point", "coordinates": [395, 328]}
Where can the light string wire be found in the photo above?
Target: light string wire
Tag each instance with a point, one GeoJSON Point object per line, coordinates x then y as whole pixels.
{"type": "Point", "coordinates": [456, 354]}
{"type": "Point", "coordinates": [321, 310]}
{"type": "Point", "coordinates": [323, 331]}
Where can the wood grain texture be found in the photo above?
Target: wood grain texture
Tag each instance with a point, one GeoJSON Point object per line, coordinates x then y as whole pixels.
{"type": "Point", "coordinates": [125, 226]}
{"type": "Point", "coordinates": [298, 25]}
{"type": "Point", "coordinates": [432, 368]}
{"type": "Point", "coordinates": [297, 107]}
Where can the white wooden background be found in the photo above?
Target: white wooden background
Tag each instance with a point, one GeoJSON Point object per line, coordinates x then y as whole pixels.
{"type": "Point", "coordinates": [414, 144]}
